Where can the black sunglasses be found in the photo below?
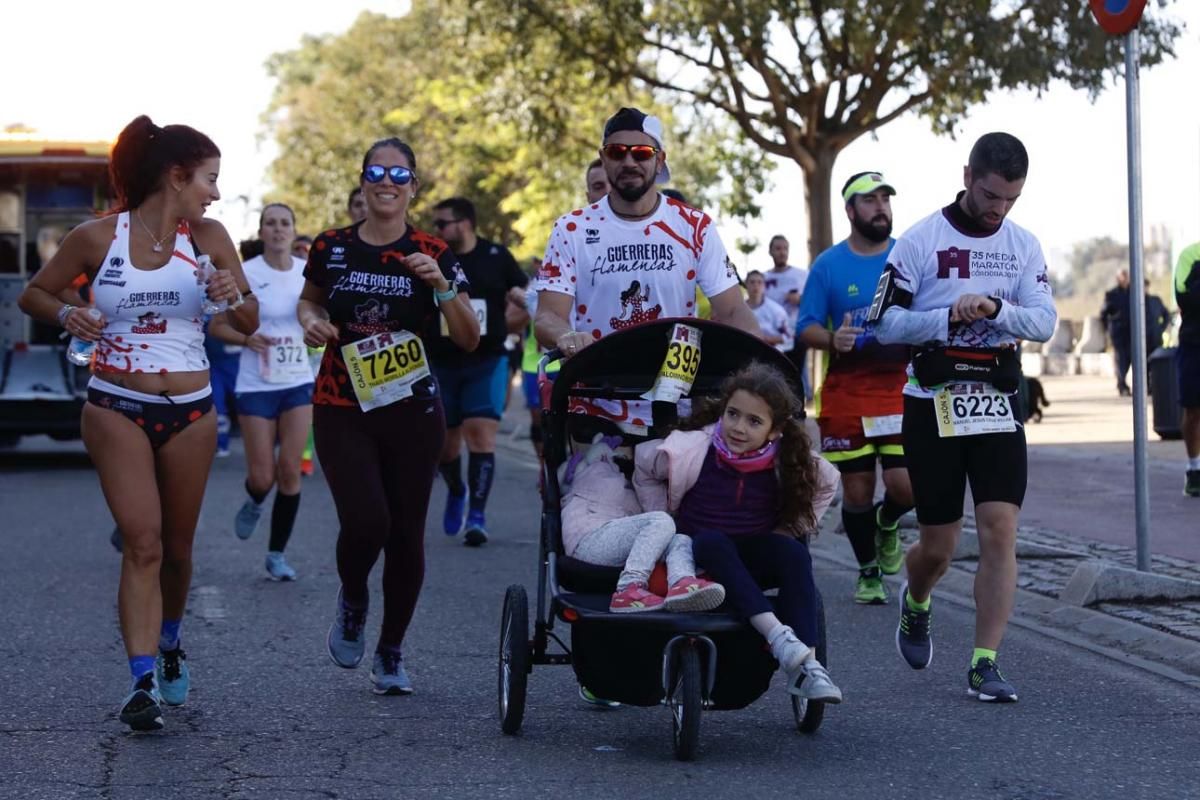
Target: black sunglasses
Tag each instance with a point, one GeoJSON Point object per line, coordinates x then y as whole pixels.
{"type": "Point", "coordinates": [442, 223]}
{"type": "Point", "coordinates": [399, 175]}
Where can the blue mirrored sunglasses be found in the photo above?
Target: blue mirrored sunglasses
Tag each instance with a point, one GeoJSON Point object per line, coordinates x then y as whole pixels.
{"type": "Point", "coordinates": [399, 175]}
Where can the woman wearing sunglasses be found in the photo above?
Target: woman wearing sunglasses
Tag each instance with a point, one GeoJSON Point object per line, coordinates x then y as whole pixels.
{"type": "Point", "coordinates": [373, 293]}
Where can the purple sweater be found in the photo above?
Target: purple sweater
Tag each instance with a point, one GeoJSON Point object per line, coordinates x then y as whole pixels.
{"type": "Point", "coordinates": [734, 503]}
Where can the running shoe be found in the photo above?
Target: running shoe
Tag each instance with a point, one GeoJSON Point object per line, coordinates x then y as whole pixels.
{"type": "Point", "coordinates": [586, 695]}
{"type": "Point", "coordinates": [1191, 487]}
{"type": "Point", "coordinates": [247, 519]}
{"type": "Point", "coordinates": [345, 640]}
{"type": "Point", "coordinates": [476, 534]}
{"type": "Point", "coordinates": [452, 518]}
{"type": "Point", "coordinates": [912, 634]}
{"type": "Point", "coordinates": [985, 682]}
{"type": "Point", "coordinates": [388, 675]}
{"type": "Point", "coordinates": [222, 452]}
{"type": "Point", "coordinates": [174, 680]}
{"type": "Point", "coordinates": [633, 599]}
{"type": "Point", "coordinates": [142, 707]}
{"type": "Point", "coordinates": [870, 589]}
{"type": "Point", "coordinates": [278, 568]}
{"type": "Point", "coordinates": [115, 540]}
{"type": "Point", "coordinates": [306, 467]}
{"type": "Point", "coordinates": [815, 684]}
{"type": "Point", "coordinates": [888, 549]}
{"type": "Point", "coordinates": [694, 594]}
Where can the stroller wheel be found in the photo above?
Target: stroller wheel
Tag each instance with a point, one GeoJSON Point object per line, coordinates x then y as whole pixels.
{"type": "Point", "coordinates": [685, 702]}
{"type": "Point", "coordinates": [513, 672]}
{"type": "Point", "coordinates": [810, 713]}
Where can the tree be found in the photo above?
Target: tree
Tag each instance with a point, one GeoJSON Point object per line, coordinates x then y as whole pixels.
{"type": "Point", "coordinates": [511, 125]}
{"type": "Point", "coordinates": [802, 79]}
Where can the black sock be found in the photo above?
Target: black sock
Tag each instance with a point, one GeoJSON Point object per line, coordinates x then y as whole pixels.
{"type": "Point", "coordinates": [257, 497]}
{"type": "Point", "coordinates": [860, 530]}
{"type": "Point", "coordinates": [452, 474]}
{"type": "Point", "coordinates": [480, 469]}
{"type": "Point", "coordinates": [283, 517]}
{"type": "Point", "coordinates": [892, 511]}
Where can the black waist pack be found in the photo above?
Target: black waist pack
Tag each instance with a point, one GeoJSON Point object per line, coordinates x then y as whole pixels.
{"type": "Point", "coordinates": [997, 366]}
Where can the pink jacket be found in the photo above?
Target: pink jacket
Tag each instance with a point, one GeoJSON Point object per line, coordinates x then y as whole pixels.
{"type": "Point", "coordinates": [665, 469]}
{"type": "Point", "coordinates": [599, 493]}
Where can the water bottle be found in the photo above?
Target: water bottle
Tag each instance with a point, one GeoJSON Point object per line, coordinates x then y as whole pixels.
{"type": "Point", "coordinates": [79, 351]}
{"type": "Point", "coordinates": [204, 271]}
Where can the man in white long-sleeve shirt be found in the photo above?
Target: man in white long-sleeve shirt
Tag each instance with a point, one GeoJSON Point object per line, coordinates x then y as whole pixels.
{"type": "Point", "coordinates": [963, 286]}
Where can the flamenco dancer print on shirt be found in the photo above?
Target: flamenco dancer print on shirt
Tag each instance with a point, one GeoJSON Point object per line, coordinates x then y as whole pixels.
{"type": "Point", "coordinates": [633, 308]}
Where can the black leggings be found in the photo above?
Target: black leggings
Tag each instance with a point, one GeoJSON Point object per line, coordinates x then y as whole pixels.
{"type": "Point", "coordinates": [380, 466]}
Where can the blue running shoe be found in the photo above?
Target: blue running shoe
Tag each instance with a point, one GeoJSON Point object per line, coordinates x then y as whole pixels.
{"type": "Point", "coordinates": [476, 535]}
{"type": "Point", "coordinates": [114, 539]}
{"type": "Point", "coordinates": [278, 568]}
{"type": "Point", "coordinates": [174, 680]}
{"type": "Point", "coordinates": [142, 707]}
{"type": "Point", "coordinates": [452, 519]}
{"type": "Point", "coordinates": [247, 519]}
{"type": "Point", "coordinates": [912, 634]}
{"type": "Point", "coordinates": [985, 682]}
{"type": "Point", "coordinates": [345, 639]}
{"type": "Point", "coordinates": [388, 675]}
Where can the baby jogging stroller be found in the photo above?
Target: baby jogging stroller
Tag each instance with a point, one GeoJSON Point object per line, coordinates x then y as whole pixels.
{"type": "Point", "coordinates": [686, 661]}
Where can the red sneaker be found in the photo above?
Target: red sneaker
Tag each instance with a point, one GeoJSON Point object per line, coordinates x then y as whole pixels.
{"type": "Point", "coordinates": [633, 599]}
{"type": "Point", "coordinates": [306, 466]}
{"type": "Point", "coordinates": [694, 594]}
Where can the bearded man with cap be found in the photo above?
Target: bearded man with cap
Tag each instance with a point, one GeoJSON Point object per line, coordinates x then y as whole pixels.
{"type": "Point", "coordinates": [632, 256]}
{"type": "Point", "coordinates": [859, 404]}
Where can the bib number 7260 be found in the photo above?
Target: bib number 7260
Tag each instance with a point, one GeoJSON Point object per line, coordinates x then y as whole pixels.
{"type": "Point", "coordinates": [384, 367]}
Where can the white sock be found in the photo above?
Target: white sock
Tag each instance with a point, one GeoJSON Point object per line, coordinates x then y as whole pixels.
{"type": "Point", "coordinates": [1194, 463]}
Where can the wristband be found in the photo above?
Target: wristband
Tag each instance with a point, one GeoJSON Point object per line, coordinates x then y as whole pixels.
{"type": "Point", "coordinates": [446, 296]}
{"type": "Point", "coordinates": [998, 303]}
{"type": "Point", "coordinates": [236, 304]}
{"type": "Point", "coordinates": [63, 313]}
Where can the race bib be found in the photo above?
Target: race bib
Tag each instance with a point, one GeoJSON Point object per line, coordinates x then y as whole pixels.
{"type": "Point", "coordinates": [285, 361]}
{"type": "Point", "coordinates": [679, 368]}
{"type": "Point", "coordinates": [480, 308]}
{"type": "Point", "coordinates": [876, 427]}
{"type": "Point", "coordinates": [971, 410]}
{"type": "Point", "coordinates": [384, 367]}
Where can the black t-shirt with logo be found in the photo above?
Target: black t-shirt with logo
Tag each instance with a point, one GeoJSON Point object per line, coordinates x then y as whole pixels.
{"type": "Point", "coordinates": [491, 271]}
{"type": "Point", "coordinates": [367, 290]}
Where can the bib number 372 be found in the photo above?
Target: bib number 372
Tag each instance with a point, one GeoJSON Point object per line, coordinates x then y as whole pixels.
{"type": "Point", "coordinates": [679, 367]}
{"type": "Point", "coordinates": [973, 412]}
{"type": "Point", "coordinates": [384, 367]}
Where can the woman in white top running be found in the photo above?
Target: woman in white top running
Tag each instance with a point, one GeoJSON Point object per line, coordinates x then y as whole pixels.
{"type": "Point", "coordinates": [274, 386]}
{"type": "Point", "coordinates": [149, 424]}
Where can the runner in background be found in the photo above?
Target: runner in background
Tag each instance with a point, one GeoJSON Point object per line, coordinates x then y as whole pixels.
{"type": "Point", "coordinates": [301, 246]}
{"type": "Point", "coordinates": [274, 387]}
{"type": "Point", "coordinates": [859, 407]}
{"type": "Point", "coordinates": [772, 319]}
{"type": "Point", "coordinates": [474, 384]}
{"type": "Point", "coordinates": [963, 286]}
{"type": "Point", "coordinates": [356, 205]}
{"type": "Point", "coordinates": [785, 285]}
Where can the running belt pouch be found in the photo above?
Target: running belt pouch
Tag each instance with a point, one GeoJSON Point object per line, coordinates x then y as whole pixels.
{"type": "Point", "coordinates": [940, 365]}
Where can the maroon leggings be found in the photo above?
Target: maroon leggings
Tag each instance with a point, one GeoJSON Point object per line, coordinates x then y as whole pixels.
{"type": "Point", "coordinates": [380, 466]}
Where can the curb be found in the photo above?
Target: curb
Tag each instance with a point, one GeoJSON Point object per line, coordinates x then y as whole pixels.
{"type": "Point", "coordinates": [1171, 657]}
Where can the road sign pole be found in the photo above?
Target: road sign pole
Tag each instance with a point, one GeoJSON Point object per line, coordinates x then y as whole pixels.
{"type": "Point", "coordinates": [1137, 299]}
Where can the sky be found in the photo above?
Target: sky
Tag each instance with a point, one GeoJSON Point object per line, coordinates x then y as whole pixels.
{"type": "Point", "coordinates": [208, 70]}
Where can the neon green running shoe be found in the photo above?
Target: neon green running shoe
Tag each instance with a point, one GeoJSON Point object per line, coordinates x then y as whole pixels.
{"type": "Point", "coordinates": [870, 589]}
{"type": "Point", "coordinates": [888, 549]}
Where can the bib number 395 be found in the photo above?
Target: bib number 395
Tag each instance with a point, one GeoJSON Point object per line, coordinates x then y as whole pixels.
{"type": "Point", "coordinates": [384, 367]}
{"type": "Point", "coordinates": [679, 367]}
{"type": "Point", "coordinates": [972, 412]}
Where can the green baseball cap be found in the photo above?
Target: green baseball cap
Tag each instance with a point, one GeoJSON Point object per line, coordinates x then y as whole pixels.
{"type": "Point", "coordinates": [865, 183]}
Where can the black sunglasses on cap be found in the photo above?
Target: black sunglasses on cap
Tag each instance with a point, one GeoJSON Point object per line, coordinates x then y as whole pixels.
{"type": "Point", "coordinates": [399, 175]}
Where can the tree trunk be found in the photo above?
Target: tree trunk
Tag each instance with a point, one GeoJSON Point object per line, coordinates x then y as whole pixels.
{"type": "Point", "coordinates": [817, 186]}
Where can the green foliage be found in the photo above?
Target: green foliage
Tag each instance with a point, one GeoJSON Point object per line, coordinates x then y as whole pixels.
{"type": "Point", "coordinates": [509, 123]}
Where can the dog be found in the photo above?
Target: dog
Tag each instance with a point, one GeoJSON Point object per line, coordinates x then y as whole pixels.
{"type": "Point", "coordinates": [1035, 399]}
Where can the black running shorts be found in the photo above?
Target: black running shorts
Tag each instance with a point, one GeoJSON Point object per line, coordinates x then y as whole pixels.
{"type": "Point", "coordinates": [939, 467]}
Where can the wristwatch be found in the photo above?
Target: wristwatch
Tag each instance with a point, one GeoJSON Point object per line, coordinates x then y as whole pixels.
{"type": "Point", "coordinates": [446, 296]}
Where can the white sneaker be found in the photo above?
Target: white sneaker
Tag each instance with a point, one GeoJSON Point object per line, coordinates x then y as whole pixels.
{"type": "Point", "coordinates": [815, 684]}
{"type": "Point", "coordinates": [789, 651]}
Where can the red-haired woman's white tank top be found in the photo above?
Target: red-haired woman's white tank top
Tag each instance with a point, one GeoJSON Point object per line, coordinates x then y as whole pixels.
{"type": "Point", "coordinates": [154, 317]}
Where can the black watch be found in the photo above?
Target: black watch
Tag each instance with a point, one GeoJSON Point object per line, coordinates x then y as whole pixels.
{"type": "Point", "coordinates": [998, 303]}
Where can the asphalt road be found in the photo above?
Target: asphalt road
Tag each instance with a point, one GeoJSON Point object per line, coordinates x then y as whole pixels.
{"type": "Point", "coordinates": [270, 716]}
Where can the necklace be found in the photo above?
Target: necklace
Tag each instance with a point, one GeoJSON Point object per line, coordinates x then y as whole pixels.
{"type": "Point", "coordinates": [158, 243]}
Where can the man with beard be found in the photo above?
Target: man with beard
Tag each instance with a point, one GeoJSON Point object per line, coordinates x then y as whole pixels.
{"type": "Point", "coordinates": [963, 286]}
{"type": "Point", "coordinates": [859, 405]}
{"type": "Point", "coordinates": [631, 257]}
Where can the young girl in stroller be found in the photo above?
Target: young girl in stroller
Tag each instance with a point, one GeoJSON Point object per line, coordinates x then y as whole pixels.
{"type": "Point", "coordinates": [739, 477]}
{"type": "Point", "coordinates": [602, 523]}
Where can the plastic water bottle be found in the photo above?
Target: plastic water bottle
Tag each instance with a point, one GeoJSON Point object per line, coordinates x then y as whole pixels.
{"type": "Point", "coordinates": [79, 351]}
{"type": "Point", "coordinates": [205, 271]}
